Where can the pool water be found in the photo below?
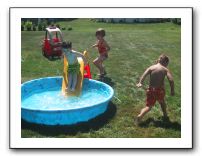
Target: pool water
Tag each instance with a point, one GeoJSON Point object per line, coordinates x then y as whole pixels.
{"type": "Point", "coordinates": [54, 100]}
{"type": "Point", "coordinates": [42, 101]}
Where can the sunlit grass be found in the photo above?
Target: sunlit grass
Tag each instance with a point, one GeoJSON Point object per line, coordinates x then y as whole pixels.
{"type": "Point", "coordinates": [134, 47]}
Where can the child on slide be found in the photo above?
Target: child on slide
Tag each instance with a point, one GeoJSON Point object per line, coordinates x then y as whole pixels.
{"type": "Point", "coordinates": [156, 91]}
{"type": "Point", "coordinates": [73, 65]}
{"type": "Point", "coordinates": [103, 49]}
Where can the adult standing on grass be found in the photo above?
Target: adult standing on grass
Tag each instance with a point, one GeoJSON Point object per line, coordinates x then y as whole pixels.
{"type": "Point", "coordinates": [103, 49]}
{"type": "Point", "coordinates": [156, 90]}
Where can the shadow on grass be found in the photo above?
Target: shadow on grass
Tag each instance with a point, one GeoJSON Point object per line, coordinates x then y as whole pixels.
{"type": "Point", "coordinates": [53, 58]}
{"type": "Point", "coordinates": [161, 123]}
{"type": "Point", "coordinates": [106, 80]}
{"type": "Point", "coordinates": [93, 124]}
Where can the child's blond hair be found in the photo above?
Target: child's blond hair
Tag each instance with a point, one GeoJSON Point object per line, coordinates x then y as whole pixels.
{"type": "Point", "coordinates": [100, 31]}
{"type": "Point", "coordinates": [163, 59]}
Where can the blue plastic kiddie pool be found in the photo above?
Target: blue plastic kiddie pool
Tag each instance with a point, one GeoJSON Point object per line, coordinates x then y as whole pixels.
{"type": "Point", "coordinates": [43, 102]}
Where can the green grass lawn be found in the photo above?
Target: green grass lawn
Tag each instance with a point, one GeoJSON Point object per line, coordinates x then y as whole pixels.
{"type": "Point", "coordinates": [134, 47]}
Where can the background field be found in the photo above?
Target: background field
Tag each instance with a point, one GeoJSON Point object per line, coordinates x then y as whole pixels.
{"type": "Point", "coordinates": [134, 47]}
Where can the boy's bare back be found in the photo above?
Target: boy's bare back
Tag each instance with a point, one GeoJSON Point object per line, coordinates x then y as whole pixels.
{"type": "Point", "coordinates": [157, 75]}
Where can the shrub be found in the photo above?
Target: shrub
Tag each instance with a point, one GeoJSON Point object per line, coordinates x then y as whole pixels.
{"type": "Point", "coordinates": [121, 21]}
{"type": "Point", "coordinates": [40, 28]}
{"type": "Point", "coordinates": [34, 27]}
{"type": "Point", "coordinates": [58, 26]}
{"type": "Point", "coordinates": [179, 21]}
{"type": "Point", "coordinates": [44, 27]}
{"type": "Point", "coordinates": [135, 21]}
{"type": "Point", "coordinates": [176, 21]}
{"type": "Point", "coordinates": [28, 25]}
{"type": "Point", "coordinates": [44, 24]}
{"type": "Point", "coordinates": [69, 29]}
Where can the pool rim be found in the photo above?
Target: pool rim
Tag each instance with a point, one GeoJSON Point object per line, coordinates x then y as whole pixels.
{"type": "Point", "coordinates": [107, 99]}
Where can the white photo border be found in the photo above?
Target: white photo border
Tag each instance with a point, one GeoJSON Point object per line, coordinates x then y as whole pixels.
{"type": "Point", "coordinates": [15, 15]}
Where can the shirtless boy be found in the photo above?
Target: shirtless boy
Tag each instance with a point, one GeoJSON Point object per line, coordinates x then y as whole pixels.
{"type": "Point", "coordinates": [156, 91]}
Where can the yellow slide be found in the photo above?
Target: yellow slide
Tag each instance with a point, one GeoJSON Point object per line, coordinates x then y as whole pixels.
{"type": "Point", "coordinates": [79, 78]}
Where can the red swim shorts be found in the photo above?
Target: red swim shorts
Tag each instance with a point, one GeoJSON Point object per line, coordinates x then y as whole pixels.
{"type": "Point", "coordinates": [153, 95]}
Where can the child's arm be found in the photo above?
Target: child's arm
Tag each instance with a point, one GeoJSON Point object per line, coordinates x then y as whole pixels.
{"type": "Point", "coordinates": [171, 81]}
{"type": "Point", "coordinates": [147, 71]}
{"type": "Point", "coordinates": [78, 54]}
{"type": "Point", "coordinates": [95, 45]}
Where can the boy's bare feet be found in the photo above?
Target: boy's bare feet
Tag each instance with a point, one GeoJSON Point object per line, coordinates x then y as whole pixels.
{"type": "Point", "coordinates": [73, 89]}
{"type": "Point", "coordinates": [100, 75]}
{"type": "Point", "coordinates": [68, 90]}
